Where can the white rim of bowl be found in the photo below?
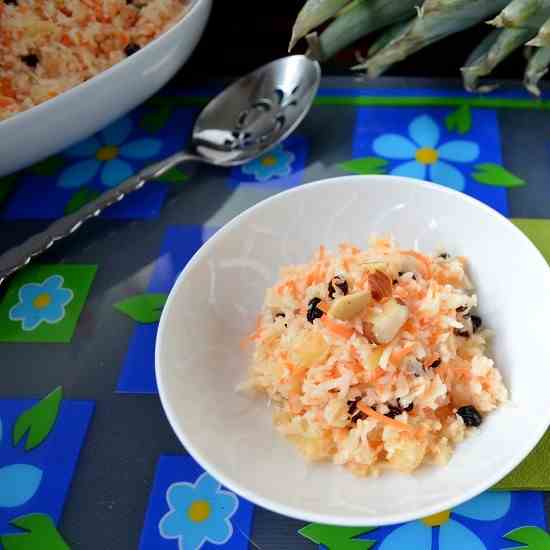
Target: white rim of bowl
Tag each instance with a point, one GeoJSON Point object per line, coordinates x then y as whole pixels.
{"type": "Point", "coordinates": [291, 511]}
{"type": "Point", "coordinates": [96, 79]}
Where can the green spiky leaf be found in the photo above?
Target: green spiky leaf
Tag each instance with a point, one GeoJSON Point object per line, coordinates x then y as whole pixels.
{"type": "Point", "coordinates": [6, 185]}
{"type": "Point", "coordinates": [533, 538]}
{"type": "Point", "coordinates": [48, 167]}
{"type": "Point", "coordinates": [175, 175]}
{"type": "Point", "coordinates": [38, 421]}
{"type": "Point", "coordinates": [143, 308]}
{"type": "Point", "coordinates": [337, 538]}
{"type": "Point", "coordinates": [41, 533]}
{"type": "Point", "coordinates": [80, 198]}
{"type": "Point", "coordinates": [460, 120]}
{"type": "Point", "coordinates": [155, 121]}
{"type": "Point", "coordinates": [495, 174]}
{"type": "Point", "coordinates": [365, 165]}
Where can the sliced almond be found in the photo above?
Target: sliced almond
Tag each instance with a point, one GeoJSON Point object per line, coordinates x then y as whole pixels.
{"type": "Point", "coordinates": [380, 285]}
{"type": "Point", "coordinates": [386, 321]}
{"type": "Point", "coordinates": [345, 308]}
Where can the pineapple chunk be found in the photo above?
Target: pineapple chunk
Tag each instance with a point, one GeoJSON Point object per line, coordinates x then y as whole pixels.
{"type": "Point", "coordinates": [308, 348]}
{"type": "Point", "coordinates": [384, 323]}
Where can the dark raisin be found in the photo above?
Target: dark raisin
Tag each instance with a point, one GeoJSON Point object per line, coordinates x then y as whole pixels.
{"type": "Point", "coordinates": [354, 413]}
{"type": "Point", "coordinates": [470, 415]}
{"type": "Point", "coordinates": [476, 322]}
{"type": "Point", "coordinates": [463, 333]}
{"type": "Point", "coordinates": [313, 312]}
{"type": "Point", "coordinates": [408, 408]}
{"type": "Point", "coordinates": [401, 273]}
{"type": "Point", "coordinates": [414, 277]}
{"type": "Point", "coordinates": [395, 281]}
{"type": "Point", "coordinates": [393, 412]}
{"type": "Point", "coordinates": [12, 2]}
{"type": "Point", "coordinates": [279, 315]}
{"type": "Point", "coordinates": [31, 60]}
{"type": "Point", "coordinates": [131, 48]}
{"type": "Point", "coordinates": [339, 282]}
{"type": "Point", "coordinates": [435, 364]}
{"type": "Point", "coordinates": [460, 309]}
{"type": "Point", "coordinates": [444, 256]}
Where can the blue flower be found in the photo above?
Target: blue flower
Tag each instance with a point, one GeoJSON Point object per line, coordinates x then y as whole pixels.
{"type": "Point", "coordinates": [275, 163]}
{"type": "Point", "coordinates": [106, 152]}
{"type": "Point", "coordinates": [489, 506]}
{"type": "Point", "coordinates": [199, 513]}
{"type": "Point", "coordinates": [424, 155]}
{"type": "Point", "coordinates": [18, 482]}
{"type": "Point", "coordinates": [41, 302]}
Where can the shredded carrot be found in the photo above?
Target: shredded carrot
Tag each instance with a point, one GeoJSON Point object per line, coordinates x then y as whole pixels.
{"type": "Point", "coordinates": [425, 263]}
{"type": "Point", "coordinates": [346, 264]}
{"type": "Point", "coordinates": [6, 101]}
{"type": "Point", "coordinates": [322, 251]}
{"type": "Point", "coordinates": [397, 356]}
{"type": "Point", "coordinates": [384, 419]}
{"type": "Point", "coordinates": [355, 354]}
{"type": "Point", "coordinates": [336, 328]}
{"type": "Point", "coordinates": [314, 276]}
{"type": "Point", "coordinates": [323, 306]}
{"type": "Point", "coordinates": [378, 373]}
{"type": "Point", "coordinates": [254, 335]}
{"type": "Point", "coordinates": [66, 40]}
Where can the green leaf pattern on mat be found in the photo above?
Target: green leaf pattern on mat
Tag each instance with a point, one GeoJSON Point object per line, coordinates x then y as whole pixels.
{"type": "Point", "coordinates": [538, 230]}
{"type": "Point", "coordinates": [143, 308]}
{"type": "Point", "coordinates": [41, 533]}
{"type": "Point", "coordinates": [38, 421]}
{"type": "Point", "coordinates": [337, 538]}
{"type": "Point", "coordinates": [80, 198]}
{"type": "Point", "coordinates": [365, 165]}
{"type": "Point", "coordinates": [494, 174]}
{"type": "Point", "coordinates": [460, 120]}
{"type": "Point", "coordinates": [175, 175]}
{"type": "Point", "coordinates": [155, 121]}
{"type": "Point", "coordinates": [532, 538]}
{"type": "Point", "coordinates": [48, 167]}
{"type": "Point", "coordinates": [6, 185]}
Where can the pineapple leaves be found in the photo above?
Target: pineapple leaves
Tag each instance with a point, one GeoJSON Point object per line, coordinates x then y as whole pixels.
{"type": "Point", "coordinates": [174, 175]}
{"type": "Point", "coordinates": [155, 121]}
{"type": "Point", "coordinates": [460, 120]}
{"type": "Point", "coordinates": [143, 308]}
{"type": "Point", "coordinates": [6, 185]}
{"type": "Point", "coordinates": [496, 175]}
{"type": "Point", "coordinates": [365, 165]}
{"type": "Point", "coordinates": [38, 421]}
{"type": "Point", "coordinates": [48, 167]}
{"type": "Point", "coordinates": [80, 198]}
{"type": "Point", "coordinates": [39, 532]}
{"type": "Point", "coordinates": [337, 538]}
{"type": "Point", "coordinates": [532, 538]}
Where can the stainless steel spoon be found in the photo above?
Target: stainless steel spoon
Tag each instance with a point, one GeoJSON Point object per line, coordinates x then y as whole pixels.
{"type": "Point", "coordinates": [249, 117]}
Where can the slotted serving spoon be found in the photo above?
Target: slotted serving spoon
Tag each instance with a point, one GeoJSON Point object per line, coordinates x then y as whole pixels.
{"type": "Point", "coordinates": [248, 118]}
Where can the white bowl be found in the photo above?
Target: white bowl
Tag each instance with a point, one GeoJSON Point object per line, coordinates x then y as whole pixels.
{"type": "Point", "coordinates": [215, 301]}
{"type": "Point", "coordinates": [33, 135]}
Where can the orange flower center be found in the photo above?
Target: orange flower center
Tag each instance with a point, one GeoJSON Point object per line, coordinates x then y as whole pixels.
{"type": "Point", "coordinates": [42, 301]}
{"type": "Point", "coordinates": [108, 152]}
{"type": "Point", "coordinates": [437, 519]}
{"type": "Point", "coordinates": [426, 155]}
{"type": "Point", "coordinates": [199, 511]}
{"type": "Point", "coordinates": [269, 160]}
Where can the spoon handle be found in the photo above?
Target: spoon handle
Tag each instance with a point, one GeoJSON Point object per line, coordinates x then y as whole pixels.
{"type": "Point", "coordinates": [21, 255]}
